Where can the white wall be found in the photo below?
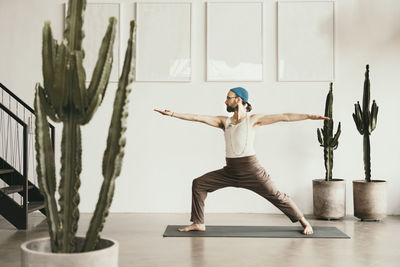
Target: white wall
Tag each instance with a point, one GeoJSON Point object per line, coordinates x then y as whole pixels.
{"type": "Point", "coordinates": [163, 154]}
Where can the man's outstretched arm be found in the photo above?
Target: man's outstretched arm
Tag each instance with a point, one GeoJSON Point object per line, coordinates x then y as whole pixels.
{"type": "Point", "coordinates": [260, 119]}
{"type": "Point", "coordinates": [215, 121]}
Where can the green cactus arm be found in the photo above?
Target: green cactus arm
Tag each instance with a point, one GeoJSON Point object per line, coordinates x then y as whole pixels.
{"type": "Point", "coordinates": [74, 22]}
{"type": "Point", "coordinates": [45, 169]}
{"type": "Point", "coordinates": [358, 124]}
{"type": "Point", "coordinates": [113, 155]}
{"type": "Point", "coordinates": [48, 108]}
{"type": "Point", "coordinates": [358, 118]}
{"type": "Point", "coordinates": [323, 133]}
{"type": "Point", "coordinates": [374, 116]}
{"type": "Point", "coordinates": [335, 139]}
{"type": "Point", "coordinates": [101, 72]}
{"type": "Point", "coordinates": [369, 121]}
{"type": "Point", "coordinates": [358, 111]}
{"type": "Point", "coordinates": [326, 135]}
{"type": "Point", "coordinates": [60, 79]}
{"type": "Point", "coordinates": [91, 110]}
{"type": "Point", "coordinates": [319, 137]}
{"type": "Point", "coordinates": [49, 52]}
{"type": "Point", "coordinates": [336, 145]}
{"type": "Point", "coordinates": [80, 94]}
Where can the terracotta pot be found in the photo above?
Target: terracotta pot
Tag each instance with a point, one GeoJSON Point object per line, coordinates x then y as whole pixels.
{"type": "Point", "coordinates": [370, 199]}
{"type": "Point", "coordinates": [329, 198]}
{"type": "Point", "coordinates": [37, 253]}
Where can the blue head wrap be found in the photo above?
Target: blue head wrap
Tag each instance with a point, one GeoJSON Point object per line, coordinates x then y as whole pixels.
{"type": "Point", "coordinates": [241, 92]}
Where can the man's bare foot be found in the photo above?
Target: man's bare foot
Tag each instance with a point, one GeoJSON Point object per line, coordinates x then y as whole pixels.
{"type": "Point", "coordinates": [307, 226]}
{"type": "Point", "coordinates": [193, 227]}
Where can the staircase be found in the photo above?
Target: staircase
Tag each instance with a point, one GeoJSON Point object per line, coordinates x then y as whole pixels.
{"type": "Point", "coordinates": [19, 191]}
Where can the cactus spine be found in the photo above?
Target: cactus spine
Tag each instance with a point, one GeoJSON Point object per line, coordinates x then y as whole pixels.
{"type": "Point", "coordinates": [326, 139]}
{"type": "Point", "coordinates": [64, 98]}
{"type": "Point", "coordinates": [365, 120]}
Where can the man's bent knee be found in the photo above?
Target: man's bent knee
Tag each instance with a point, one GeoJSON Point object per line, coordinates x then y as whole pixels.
{"type": "Point", "coordinates": [196, 183]}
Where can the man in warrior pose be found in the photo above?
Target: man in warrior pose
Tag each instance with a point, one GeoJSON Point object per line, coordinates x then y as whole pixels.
{"type": "Point", "coordinates": [242, 167]}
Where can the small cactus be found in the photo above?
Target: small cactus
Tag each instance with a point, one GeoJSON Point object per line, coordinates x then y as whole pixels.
{"type": "Point", "coordinates": [326, 139]}
{"type": "Point", "coordinates": [365, 120]}
{"type": "Point", "coordinates": [65, 98]}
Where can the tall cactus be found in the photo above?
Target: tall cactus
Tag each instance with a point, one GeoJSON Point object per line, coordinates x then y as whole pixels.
{"type": "Point", "coordinates": [365, 120]}
{"type": "Point", "coordinates": [326, 139]}
{"type": "Point", "coordinates": [64, 98]}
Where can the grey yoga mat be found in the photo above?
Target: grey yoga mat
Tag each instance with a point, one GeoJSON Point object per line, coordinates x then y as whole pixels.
{"type": "Point", "coordinates": [256, 231]}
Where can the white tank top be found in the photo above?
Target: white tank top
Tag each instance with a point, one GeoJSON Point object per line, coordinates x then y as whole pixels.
{"type": "Point", "coordinates": [239, 139]}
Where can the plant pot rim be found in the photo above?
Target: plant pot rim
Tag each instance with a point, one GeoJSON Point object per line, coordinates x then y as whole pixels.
{"type": "Point", "coordinates": [332, 180]}
{"type": "Point", "coordinates": [24, 247]}
{"type": "Point", "coordinates": [372, 181]}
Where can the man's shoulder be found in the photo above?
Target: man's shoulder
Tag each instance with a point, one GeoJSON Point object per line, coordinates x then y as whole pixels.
{"type": "Point", "coordinates": [254, 117]}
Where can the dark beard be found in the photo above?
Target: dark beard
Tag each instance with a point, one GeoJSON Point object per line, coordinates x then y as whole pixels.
{"type": "Point", "coordinates": [231, 109]}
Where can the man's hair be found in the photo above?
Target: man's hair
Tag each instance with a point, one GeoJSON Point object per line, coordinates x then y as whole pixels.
{"type": "Point", "coordinates": [247, 105]}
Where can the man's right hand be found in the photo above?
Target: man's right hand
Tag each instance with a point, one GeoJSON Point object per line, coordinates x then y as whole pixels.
{"type": "Point", "coordinates": [164, 112]}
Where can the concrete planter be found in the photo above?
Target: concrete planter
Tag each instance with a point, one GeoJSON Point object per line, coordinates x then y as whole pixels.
{"type": "Point", "coordinates": [37, 253]}
{"type": "Point", "coordinates": [329, 198]}
{"type": "Point", "coordinates": [370, 199]}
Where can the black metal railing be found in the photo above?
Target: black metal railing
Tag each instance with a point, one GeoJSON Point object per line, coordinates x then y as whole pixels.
{"type": "Point", "coordinates": [18, 159]}
{"type": "Point", "coordinates": [26, 106]}
{"type": "Point", "coordinates": [24, 166]}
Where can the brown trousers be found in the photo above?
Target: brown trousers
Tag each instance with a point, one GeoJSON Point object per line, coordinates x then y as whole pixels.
{"type": "Point", "coordinates": [245, 172]}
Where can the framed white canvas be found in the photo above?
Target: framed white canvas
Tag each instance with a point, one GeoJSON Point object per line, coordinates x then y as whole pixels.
{"type": "Point", "coordinates": [95, 26]}
{"type": "Point", "coordinates": [234, 41]}
{"type": "Point", "coordinates": [305, 41]}
{"type": "Point", "coordinates": [163, 42]}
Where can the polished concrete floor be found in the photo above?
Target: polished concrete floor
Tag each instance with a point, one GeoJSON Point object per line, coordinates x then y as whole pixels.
{"type": "Point", "coordinates": [372, 244]}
